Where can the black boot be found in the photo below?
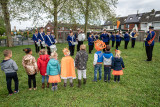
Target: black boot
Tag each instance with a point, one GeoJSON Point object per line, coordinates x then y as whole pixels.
{"type": "Point", "coordinates": [71, 84]}
{"type": "Point", "coordinates": [65, 84]}
{"type": "Point", "coordinates": [79, 83]}
{"type": "Point", "coordinates": [84, 80]}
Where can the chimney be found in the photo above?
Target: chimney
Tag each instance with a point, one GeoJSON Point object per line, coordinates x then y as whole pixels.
{"type": "Point", "coordinates": [153, 12]}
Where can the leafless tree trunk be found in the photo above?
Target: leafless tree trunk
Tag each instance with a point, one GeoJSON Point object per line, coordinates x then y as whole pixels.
{"type": "Point", "coordinates": [86, 17]}
{"type": "Point", "coordinates": [55, 19]}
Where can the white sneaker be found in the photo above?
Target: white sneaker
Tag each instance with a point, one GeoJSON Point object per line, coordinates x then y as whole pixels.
{"type": "Point", "coordinates": [52, 88]}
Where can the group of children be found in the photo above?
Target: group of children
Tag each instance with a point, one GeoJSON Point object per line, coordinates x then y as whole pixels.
{"type": "Point", "coordinates": [51, 70]}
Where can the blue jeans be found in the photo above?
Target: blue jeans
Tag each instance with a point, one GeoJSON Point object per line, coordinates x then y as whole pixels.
{"type": "Point", "coordinates": [107, 71]}
{"type": "Point", "coordinates": [43, 78]}
{"type": "Point", "coordinates": [97, 67]}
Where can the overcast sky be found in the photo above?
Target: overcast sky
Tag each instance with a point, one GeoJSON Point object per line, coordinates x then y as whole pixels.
{"type": "Point", "coordinates": [124, 8]}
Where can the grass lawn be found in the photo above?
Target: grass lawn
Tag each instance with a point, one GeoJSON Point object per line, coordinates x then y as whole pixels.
{"type": "Point", "coordinates": [139, 86]}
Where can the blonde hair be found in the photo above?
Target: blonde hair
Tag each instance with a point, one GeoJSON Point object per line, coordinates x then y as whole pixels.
{"type": "Point", "coordinates": [42, 52]}
{"type": "Point", "coordinates": [118, 53]}
{"type": "Point", "coordinates": [83, 47]}
{"type": "Point", "coordinates": [54, 55]}
{"type": "Point", "coordinates": [7, 52]}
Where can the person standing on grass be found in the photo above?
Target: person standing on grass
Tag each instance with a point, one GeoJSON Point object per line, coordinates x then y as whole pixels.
{"type": "Point", "coordinates": [113, 39]}
{"type": "Point", "coordinates": [126, 39]}
{"type": "Point", "coordinates": [41, 35]}
{"type": "Point", "coordinates": [133, 34]}
{"type": "Point", "coordinates": [149, 43]}
{"type": "Point", "coordinates": [35, 39]}
{"type": "Point", "coordinates": [30, 65]}
{"type": "Point", "coordinates": [107, 60]}
{"type": "Point", "coordinates": [117, 40]}
{"type": "Point", "coordinates": [10, 68]}
{"type": "Point", "coordinates": [117, 65]}
{"type": "Point", "coordinates": [42, 66]}
{"type": "Point", "coordinates": [105, 38]}
{"type": "Point", "coordinates": [53, 70]}
{"type": "Point", "coordinates": [71, 39]}
{"type": "Point", "coordinates": [81, 64]}
{"type": "Point", "coordinates": [90, 43]}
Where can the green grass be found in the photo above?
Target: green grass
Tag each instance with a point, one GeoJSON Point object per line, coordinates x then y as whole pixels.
{"type": "Point", "coordinates": [139, 86]}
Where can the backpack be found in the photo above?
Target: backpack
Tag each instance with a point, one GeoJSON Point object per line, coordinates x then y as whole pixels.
{"type": "Point", "coordinates": [107, 61]}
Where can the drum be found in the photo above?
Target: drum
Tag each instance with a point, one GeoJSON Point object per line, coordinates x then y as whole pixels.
{"type": "Point", "coordinates": [38, 44]}
{"type": "Point", "coordinates": [81, 37]}
{"type": "Point", "coordinates": [43, 44]}
{"type": "Point", "coordinates": [53, 48]}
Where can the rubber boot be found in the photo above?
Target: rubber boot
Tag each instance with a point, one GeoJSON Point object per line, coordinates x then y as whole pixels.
{"type": "Point", "coordinates": [79, 83]}
{"type": "Point", "coordinates": [65, 84]}
{"type": "Point", "coordinates": [43, 85]}
{"type": "Point", "coordinates": [84, 80]}
{"type": "Point", "coordinates": [47, 85]}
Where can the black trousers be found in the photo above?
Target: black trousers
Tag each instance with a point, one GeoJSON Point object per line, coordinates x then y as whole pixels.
{"type": "Point", "coordinates": [48, 50]}
{"type": "Point", "coordinates": [42, 46]}
{"type": "Point", "coordinates": [117, 77]}
{"type": "Point", "coordinates": [126, 44]}
{"type": "Point", "coordinates": [30, 79]}
{"type": "Point", "coordinates": [149, 50]}
{"type": "Point", "coordinates": [71, 48]}
{"type": "Point", "coordinates": [9, 77]}
{"type": "Point", "coordinates": [90, 48]}
{"type": "Point", "coordinates": [107, 43]}
{"type": "Point", "coordinates": [79, 44]}
{"type": "Point", "coordinates": [117, 45]}
{"type": "Point", "coordinates": [36, 47]}
{"type": "Point", "coordinates": [113, 43]}
{"type": "Point", "coordinates": [133, 43]}
{"type": "Point", "coordinates": [120, 43]}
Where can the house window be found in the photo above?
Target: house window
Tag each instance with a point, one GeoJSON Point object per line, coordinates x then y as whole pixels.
{"type": "Point", "coordinates": [111, 27]}
{"type": "Point", "coordinates": [130, 18]}
{"type": "Point", "coordinates": [124, 19]}
{"type": "Point", "coordinates": [127, 25]}
{"type": "Point", "coordinates": [147, 17]}
{"type": "Point", "coordinates": [156, 24]}
{"type": "Point", "coordinates": [157, 15]}
{"type": "Point", "coordinates": [139, 17]}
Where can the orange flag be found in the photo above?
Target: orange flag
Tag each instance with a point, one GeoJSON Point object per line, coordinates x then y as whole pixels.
{"type": "Point", "coordinates": [118, 23]}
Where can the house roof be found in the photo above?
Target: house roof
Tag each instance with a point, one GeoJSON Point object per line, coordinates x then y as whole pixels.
{"type": "Point", "coordinates": [134, 18]}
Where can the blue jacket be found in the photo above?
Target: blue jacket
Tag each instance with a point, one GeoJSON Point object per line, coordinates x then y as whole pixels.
{"type": "Point", "coordinates": [71, 38]}
{"type": "Point", "coordinates": [117, 63]}
{"type": "Point", "coordinates": [41, 36]}
{"type": "Point", "coordinates": [53, 67]}
{"type": "Point", "coordinates": [126, 37]}
{"type": "Point", "coordinates": [133, 36]}
{"type": "Point", "coordinates": [90, 41]}
{"type": "Point", "coordinates": [117, 38]}
{"type": "Point", "coordinates": [149, 37]}
{"type": "Point", "coordinates": [107, 54]}
{"type": "Point", "coordinates": [100, 56]}
{"type": "Point", "coordinates": [96, 37]}
{"type": "Point", "coordinates": [105, 37]}
{"type": "Point", "coordinates": [49, 40]}
{"type": "Point", "coordinates": [35, 38]}
{"type": "Point", "coordinates": [112, 37]}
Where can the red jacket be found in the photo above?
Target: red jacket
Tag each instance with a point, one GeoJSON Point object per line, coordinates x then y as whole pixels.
{"type": "Point", "coordinates": [42, 63]}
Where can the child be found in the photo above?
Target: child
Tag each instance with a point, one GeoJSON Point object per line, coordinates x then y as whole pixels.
{"type": "Point", "coordinates": [42, 66]}
{"type": "Point", "coordinates": [53, 70]}
{"type": "Point", "coordinates": [81, 64]}
{"type": "Point", "coordinates": [98, 59]}
{"type": "Point", "coordinates": [10, 67]}
{"type": "Point", "coordinates": [90, 43]}
{"type": "Point", "coordinates": [67, 68]}
{"type": "Point", "coordinates": [117, 65]}
{"type": "Point", "coordinates": [30, 65]}
{"type": "Point", "coordinates": [107, 60]}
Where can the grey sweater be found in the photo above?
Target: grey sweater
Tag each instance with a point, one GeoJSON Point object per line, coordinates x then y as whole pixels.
{"type": "Point", "coordinates": [9, 66]}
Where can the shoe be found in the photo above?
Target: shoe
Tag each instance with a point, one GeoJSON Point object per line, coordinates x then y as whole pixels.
{"type": "Point", "coordinates": [15, 92]}
{"type": "Point", "coordinates": [30, 89]}
{"type": "Point", "coordinates": [84, 80]}
{"type": "Point", "coordinates": [71, 84]}
{"type": "Point", "coordinates": [65, 84]}
{"type": "Point", "coordinates": [105, 80]}
{"type": "Point", "coordinates": [35, 88]}
{"type": "Point", "coordinates": [47, 85]}
{"type": "Point", "coordinates": [52, 88]}
{"type": "Point", "coordinates": [43, 85]}
{"type": "Point", "coordinates": [79, 83]}
{"type": "Point", "coordinates": [10, 94]}
{"type": "Point", "coordinates": [56, 88]}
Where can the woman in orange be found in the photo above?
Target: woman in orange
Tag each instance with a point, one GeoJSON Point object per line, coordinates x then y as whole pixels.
{"type": "Point", "coordinates": [67, 68]}
{"type": "Point", "coordinates": [117, 65]}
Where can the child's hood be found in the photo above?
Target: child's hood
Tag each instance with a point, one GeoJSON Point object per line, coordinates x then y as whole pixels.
{"type": "Point", "coordinates": [117, 59]}
{"type": "Point", "coordinates": [44, 57]}
{"type": "Point", "coordinates": [53, 62]}
{"type": "Point", "coordinates": [107, 54]}
{"type": "Point", "coordinates": [6, 63]}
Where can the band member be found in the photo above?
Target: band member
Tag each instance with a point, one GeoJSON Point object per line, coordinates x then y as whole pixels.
{"type": "Point", "coordinates": [71, 39]}
{"type": "Point", "coordinates": [79, 41]}
{"type": "Point", "coordinates": [53, 36]}
{"type": "Point", "coordinates": [90, 43]}
{"type": "Point", "coordinates": [41, 35]}
{"type": "Point", "coordinates": [149, 43]}
{"type": "Point", "coordinates": [133, 38]}
{"type": "Point", "coordinates": [49, 41]}
{"type": "Point", "coordinates": [113, 38]}
{"type": "Point", "coordinates": [126, 39]}
{"type": "Point", "coordinates": [35, 39]}
{"type": "Point", "coordinates": [120, 34]}
{"type": "Point", "coordinates": [105, 38]}
{"type": "Point", "coordinates": [117, 40]}
{"type": "Point", "coordinates": [96, 36]}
